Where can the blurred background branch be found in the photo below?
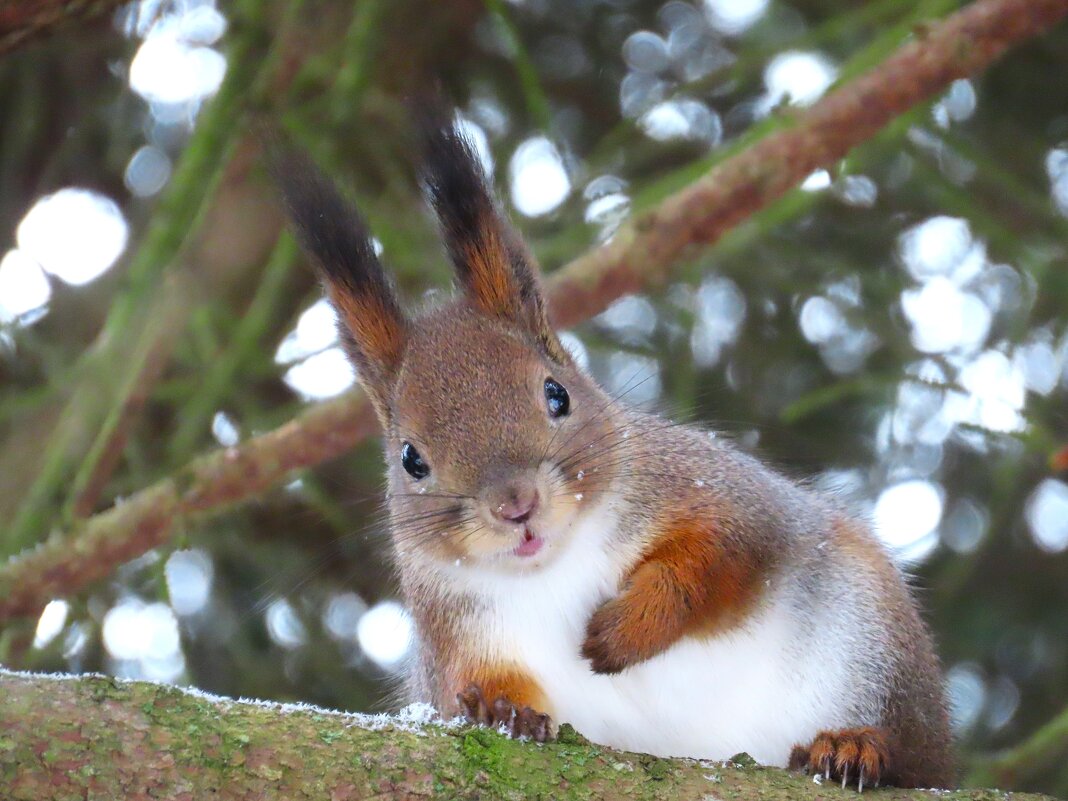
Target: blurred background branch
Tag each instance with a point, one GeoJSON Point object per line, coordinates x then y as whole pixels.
{"type": "Point", "coordinates": [24, 20]}
{"type": "Point", "coordinates": [639, 258]}
{"type": "Point", "coordinates": [1041, 751]}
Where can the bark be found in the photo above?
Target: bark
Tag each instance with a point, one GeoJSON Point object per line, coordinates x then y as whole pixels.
{"type": "Point", "coordinates": [639, 258]}
{"type": "Point", "coordinates": [96, 737]}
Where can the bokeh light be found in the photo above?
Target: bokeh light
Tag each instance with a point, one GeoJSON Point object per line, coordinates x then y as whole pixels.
{"type": "Point", "coordinates": [385, 633]}
{"type": "Point", "coordinates": [906, 516]}
{"type": "Point", "coordinates": [74, 234]}
{"type": "Point", "coordinates": [173, 66]}
{"type": "Point", "coordinates": [538, 179]}
{"type": "Point", "coordinates": [24, 288]}
{"type": "Point", "coordinates": [342, 614]}
{"type": "Point", "coordinates": [148, 171]}
{"type": "Point", "coordinates": [51, 622]}
{"type": "Point", "coordinates": [143, 640]}
{"type": "Point", "coordinates": [284, 626]}
{"type": "Point", "coordinates": [967, 695]}
{"type": "Point", "coordinates": [719, 313]}
{"type": "Point", "coordinates": [322, 375]}
{"type": "Point", "coordinates": [796, 77]}
{"type": "Point", "coordinates": [733, 17]}
{"type": "Point", "coordinates": [1047, 515]}
{"type": "Point", "coordinates": [189, 576]}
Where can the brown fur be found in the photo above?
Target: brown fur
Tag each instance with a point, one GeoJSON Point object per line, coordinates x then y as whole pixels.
{"type": "Point", "coordinates": [916, 721]}
{"type": "Point", "coordinates": [368, 319]}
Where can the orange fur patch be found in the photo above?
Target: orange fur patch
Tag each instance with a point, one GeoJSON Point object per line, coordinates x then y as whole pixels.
{"type": "Point", "coordinates": [504, 681]}
{"type": "Point", "coordinates": [692, 581]}
{"type": "Point", "coordinates": [491, 282]}
{"type": "Point", "coordinates": [376, 328]}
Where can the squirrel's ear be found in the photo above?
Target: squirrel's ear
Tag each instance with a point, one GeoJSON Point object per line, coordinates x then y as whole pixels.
{"type": "Point", "coordinates": [496, 271]}
{"type": "Point", "coordinates": [370, 321]}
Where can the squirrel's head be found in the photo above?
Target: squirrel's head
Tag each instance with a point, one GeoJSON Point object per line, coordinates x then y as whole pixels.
{"type": "Point", "coordinates": [492, 432]}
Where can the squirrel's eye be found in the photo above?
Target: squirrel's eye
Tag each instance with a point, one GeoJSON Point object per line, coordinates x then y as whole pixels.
{"type": "Point", "coordinates": [557, 398]}
{"type": "Point", "coordinates": [413, 462]}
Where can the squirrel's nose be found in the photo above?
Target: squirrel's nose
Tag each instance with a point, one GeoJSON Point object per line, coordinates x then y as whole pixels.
{"type": "Point", "coordinates": [517, 503]}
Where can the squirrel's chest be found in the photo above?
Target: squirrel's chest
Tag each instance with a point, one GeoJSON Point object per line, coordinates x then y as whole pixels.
{"type": "Point", "coordinates": [751, 689]}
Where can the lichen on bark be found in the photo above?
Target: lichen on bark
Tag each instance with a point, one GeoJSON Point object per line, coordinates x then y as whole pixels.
{"type": "Point", "coordinates": [78, 737]}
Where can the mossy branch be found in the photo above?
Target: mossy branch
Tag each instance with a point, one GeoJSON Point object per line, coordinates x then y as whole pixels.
{"type": "Point", "coordinates": [95, 737]}
{"type": "Point", "coordinates": [639, 258]}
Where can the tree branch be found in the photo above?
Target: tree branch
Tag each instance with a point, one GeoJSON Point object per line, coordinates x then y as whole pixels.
{"type": "Point", "coordinates": [92, 736]}
{"type": "Point", "coordinates": [23, 20]}
{"type": "Point", "coordinates": [1043, 749]}
{"type": "Point", "coordinates": [91, 549]}
{"type": "Point", "coordinates": [640, 257]}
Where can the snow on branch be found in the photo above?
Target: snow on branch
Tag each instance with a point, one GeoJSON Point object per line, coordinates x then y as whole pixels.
{"type": "Point", "coordinates": [96, 737]}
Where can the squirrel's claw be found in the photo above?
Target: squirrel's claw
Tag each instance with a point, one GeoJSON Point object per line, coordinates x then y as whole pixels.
{"type": "Point", "coordinates": [473, 704]}
{"type": "Point", "coordinates": [840, 754]}
{"type": "Point", "coordinates": [502, 713]}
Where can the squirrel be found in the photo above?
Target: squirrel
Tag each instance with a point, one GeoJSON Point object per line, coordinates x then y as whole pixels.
{"type": "Point", "coordinates": [567, 558]}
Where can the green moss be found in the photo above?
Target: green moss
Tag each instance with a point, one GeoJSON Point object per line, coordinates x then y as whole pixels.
{"type": "Point", "coordinates": [299, 755]}
{"type": "Point", "coordinates": [656, 769]}
{"type": "Point", "coordinates": [268, 772]}
{"type": "Point", "coordinates": [510, 768]}
{"type": "Point", "coordinates": [481, 749]}
{"type": "Point", "coordinates": [743, 760]}
{"type": "Point", "coordinates": [567, 735]}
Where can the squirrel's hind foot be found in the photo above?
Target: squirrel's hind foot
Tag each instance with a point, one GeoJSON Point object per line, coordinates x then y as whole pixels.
{"type": "Point", "coordinates": [516, 721]}
{"type": "Point", "coordinates": [849, 755]}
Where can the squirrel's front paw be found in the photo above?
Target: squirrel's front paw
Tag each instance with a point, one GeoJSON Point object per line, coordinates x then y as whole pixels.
{"type": "Point", "coordinates": [517, 721]}
{"type": "Point", "coordinates": [607, 643]}
{"type": "Point", "coordinates": [859, 755]}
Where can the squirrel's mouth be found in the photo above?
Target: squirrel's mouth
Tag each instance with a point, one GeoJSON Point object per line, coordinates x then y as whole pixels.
{"type": "Point", "coordinates": [529, 545]}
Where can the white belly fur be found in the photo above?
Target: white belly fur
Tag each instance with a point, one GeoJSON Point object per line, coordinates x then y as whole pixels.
{"type": "Point", "coordinates": [761, 688]}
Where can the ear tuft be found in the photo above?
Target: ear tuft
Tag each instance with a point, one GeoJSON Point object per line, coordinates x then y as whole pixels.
{"type": "Point", "coordinates": [491, 262]}
{"type": "Point", "coordinates": [332, 232]}
{"type": "Point", "coordinates": [476, 241]}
